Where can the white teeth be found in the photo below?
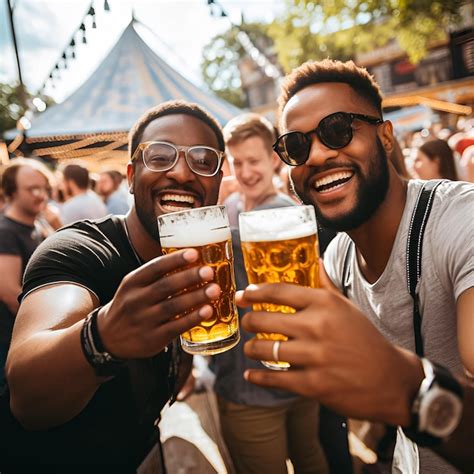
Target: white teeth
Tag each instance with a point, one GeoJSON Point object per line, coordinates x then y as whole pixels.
{"type": "Point", "coordinates": [167, 208]}
{"type": "Point", "coordinates": [178, 198]}
{"type": "Point", "coordinates": [333, 177]}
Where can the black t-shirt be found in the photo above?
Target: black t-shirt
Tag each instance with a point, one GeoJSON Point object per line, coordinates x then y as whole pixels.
{"type": "Point", "coordinates": [116, 429]}
{"type": "Point", "coordinates": [21, 240]}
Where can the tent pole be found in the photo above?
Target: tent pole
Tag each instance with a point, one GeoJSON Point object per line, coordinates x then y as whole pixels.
{"type": "Point", "coordinates": [21, 87]}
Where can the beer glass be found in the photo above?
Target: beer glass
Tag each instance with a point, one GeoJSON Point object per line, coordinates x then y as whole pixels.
{"type": "Point", "coordinates": [207, 230]}
{"type": "Point", "coordinates": [280, 245]}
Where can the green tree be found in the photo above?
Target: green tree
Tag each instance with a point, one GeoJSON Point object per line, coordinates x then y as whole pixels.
{"type": "Point", "coordinates": [221, 57]}
{"type": "Point", "coordinates": [340, 28]}
{"type": "Point", "coordinates": [11, 108]}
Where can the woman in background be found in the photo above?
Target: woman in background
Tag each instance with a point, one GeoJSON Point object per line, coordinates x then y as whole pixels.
{"type": "Point", "coordinates": [435, 160]}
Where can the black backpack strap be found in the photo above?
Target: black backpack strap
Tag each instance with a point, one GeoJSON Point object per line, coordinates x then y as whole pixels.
{"type": "Point", "coordinates": [416, 232]}
{"type": "Point", "coordinates": [346, 269]}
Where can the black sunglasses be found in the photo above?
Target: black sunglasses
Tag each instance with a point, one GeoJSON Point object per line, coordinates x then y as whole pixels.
{"type": "Point", "coordinates": [334, 131]}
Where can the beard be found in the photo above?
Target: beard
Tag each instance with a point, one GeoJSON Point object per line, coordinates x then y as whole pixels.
{"type": "Point", "coordinates": [370, 194]}
{"type": "Point", "coordinates": [149, 221]}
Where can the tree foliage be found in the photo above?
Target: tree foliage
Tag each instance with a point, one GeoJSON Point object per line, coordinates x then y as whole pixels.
{"type": "Point", "coordinates": [11, 107]}
{"type": "Point", "coordinates": [340, 28]}
{"type": "Point", "coordinates": [221, 57]}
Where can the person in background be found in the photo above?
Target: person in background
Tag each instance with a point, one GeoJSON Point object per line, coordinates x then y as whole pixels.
{"type": "Point", "coordinates": [109, 187]}
{"type": "Point", "coordinates": [261, 427]}
{"type": "Point", "coordinates": [80, 201]}
{"type": "Point", "coordinates": [25, 184]}
{"type": "Point", "coordinates": [435, 160]}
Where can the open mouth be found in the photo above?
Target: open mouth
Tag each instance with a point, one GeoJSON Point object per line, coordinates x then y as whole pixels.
{"type": "Point", "coordinates": [333, 181]}
{"type": "Point", "coordinates": [171, 202]}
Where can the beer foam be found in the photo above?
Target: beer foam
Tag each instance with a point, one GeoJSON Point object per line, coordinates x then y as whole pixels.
{"type": "Point", "coordinates": [194, 228]}
{"type": "Point", "coordinates": [271, 225]}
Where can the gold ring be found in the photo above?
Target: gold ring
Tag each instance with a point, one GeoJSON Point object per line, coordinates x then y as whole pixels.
{"type": "Point", "coordinates": [275, 350]}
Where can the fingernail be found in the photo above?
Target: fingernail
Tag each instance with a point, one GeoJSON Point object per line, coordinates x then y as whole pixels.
{"type": "Point", "coordinates": [213, 291]}
{"type": "Point", "coordinates": [205, 312]}
{"type": "Point", "coordinates": [190, 255]}
{"type": "Point", "coordinates": [206, 273]}
{"type": "Point", "coordinates": [251, 287]}
{"type": "Point", "coordinates": [246, 375]}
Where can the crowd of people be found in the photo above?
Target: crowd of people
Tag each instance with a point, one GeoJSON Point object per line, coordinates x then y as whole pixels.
{"type": "Point", "coordinates": [88, 331]}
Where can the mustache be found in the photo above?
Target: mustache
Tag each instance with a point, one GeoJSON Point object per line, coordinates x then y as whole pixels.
{"type": "Point", "coordinates": [330, 166]}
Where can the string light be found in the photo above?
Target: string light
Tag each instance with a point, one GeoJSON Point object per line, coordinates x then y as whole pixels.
{"type": "Point", "coordinates": [62, 61]}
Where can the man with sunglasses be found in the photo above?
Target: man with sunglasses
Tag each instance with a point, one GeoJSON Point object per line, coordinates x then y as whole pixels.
{"type": "Point", "coordinates": [92, 360]}
{"type": "Point", "coordinates": [357, 355]}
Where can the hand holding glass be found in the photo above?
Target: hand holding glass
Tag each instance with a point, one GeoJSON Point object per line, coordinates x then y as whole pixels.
{"type": "Point", "coordinates": [207, 230]}
{"type": "Point", "coordinates": [280, 245]}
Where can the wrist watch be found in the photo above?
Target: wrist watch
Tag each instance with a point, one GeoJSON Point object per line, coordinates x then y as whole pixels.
{"type": "Point", "coordinates": [437, 408]}
{"type": "Point", "coordinates": [102, 361]}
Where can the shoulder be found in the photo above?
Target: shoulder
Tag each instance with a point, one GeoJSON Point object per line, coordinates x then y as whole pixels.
{"type": "Point", "coordinates": [284, 200]}
{"type": "Point", "coordinates": [78, 253]}
{"type": "Point", "coordinates": [233, 199]}
{"type": "Point", "coordinates": [11, 234]}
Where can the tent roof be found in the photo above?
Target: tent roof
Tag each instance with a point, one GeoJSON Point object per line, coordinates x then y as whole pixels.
{"type": "Point", "coordinates": [131, 79]}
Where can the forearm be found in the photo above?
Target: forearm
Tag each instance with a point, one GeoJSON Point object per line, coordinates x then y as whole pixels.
{"type": "Point", "coordinates": [458, 449]}
{"type": "Point", "coordinates": [49, 378]}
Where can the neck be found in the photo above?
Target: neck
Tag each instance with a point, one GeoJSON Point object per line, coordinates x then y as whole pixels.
{"type": "Point", "coordinates": [251, 203]}
{"type": "Point", "coordinates": [144, 244]}
{"type": "Point", "coordinates": [17, 214]}
{"type": "Point", "coordinates": [375, 238]}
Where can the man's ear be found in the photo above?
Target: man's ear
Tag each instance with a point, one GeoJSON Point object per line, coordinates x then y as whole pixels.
{"type": "Point", "coordinates": [385, 133]}
{"type": "Point", "coordinates": [130, 175]}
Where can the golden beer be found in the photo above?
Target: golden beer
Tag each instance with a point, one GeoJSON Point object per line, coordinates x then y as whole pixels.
{"type": "Point", "coordinates": [280, 245]}
{"type": "Point", "coordinates": [207, 230]}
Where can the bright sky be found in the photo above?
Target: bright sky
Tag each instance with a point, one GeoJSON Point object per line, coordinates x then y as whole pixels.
{"type": "Point", "coordinates": [177, 30]}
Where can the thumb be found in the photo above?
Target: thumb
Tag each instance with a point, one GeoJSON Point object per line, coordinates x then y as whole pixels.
{"type": "Point", "coordinates": [324, 280]}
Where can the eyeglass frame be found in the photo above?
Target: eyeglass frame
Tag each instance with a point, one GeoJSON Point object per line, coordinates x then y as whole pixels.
{"type": "Point", "coordinates": [353, 116]}
{"type": "Point", "coordinates": [142, 146]}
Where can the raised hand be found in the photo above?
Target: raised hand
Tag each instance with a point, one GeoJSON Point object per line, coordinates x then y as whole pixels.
{"type": "Point", "coordinates": [337, 356]}
{"type": "Point", "coordinates": [142, 318]}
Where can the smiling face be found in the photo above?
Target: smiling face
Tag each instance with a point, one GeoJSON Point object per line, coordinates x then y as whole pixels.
{"type": "Point", "coordinates": [347, 185]}
{"type": "Point", "coordinates": [179, 188]}
{"type": "Point", "coordinates": [254, 166]}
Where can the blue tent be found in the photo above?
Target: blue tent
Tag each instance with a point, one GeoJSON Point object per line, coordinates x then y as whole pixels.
{"type": "Point", "coordinates": [97, 117]}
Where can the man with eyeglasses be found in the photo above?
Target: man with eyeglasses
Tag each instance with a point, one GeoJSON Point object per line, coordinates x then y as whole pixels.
{"type": "Point", "coordinates": [357, 354]}
{"type": "Point", "coordinates": [25, 183]}
{"type": "Point", "coordinates": [92, 360]}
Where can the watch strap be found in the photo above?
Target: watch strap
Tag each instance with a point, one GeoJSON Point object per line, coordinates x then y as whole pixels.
{"type": "Point", "coordinates": [102, 361]}
{"type": "Point", "coordinates": [434, 375]}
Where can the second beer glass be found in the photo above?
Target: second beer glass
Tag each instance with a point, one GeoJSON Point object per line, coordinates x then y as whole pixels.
{"type": "Point", "coordinates": [207, 230]}
{"type": "Point", "coordinates": [280, 245]}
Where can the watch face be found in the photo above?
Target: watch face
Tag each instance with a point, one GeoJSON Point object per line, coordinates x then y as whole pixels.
{"type": "Point", "coordinates": [440, 412]}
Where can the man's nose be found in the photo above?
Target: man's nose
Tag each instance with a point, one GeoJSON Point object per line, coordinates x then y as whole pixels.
{"type": "Point", "coordinates": [181, 173]}
{"type": "Point", "coordinates": [319, 153]}
{"type": "Point", "coordinates": [245, 170]}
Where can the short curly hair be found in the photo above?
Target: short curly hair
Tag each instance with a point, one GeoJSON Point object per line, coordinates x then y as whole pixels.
{"type": "Point", "coordinates": [170, 108]}
{"type": "Point", "coordinates": [329, 70]}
